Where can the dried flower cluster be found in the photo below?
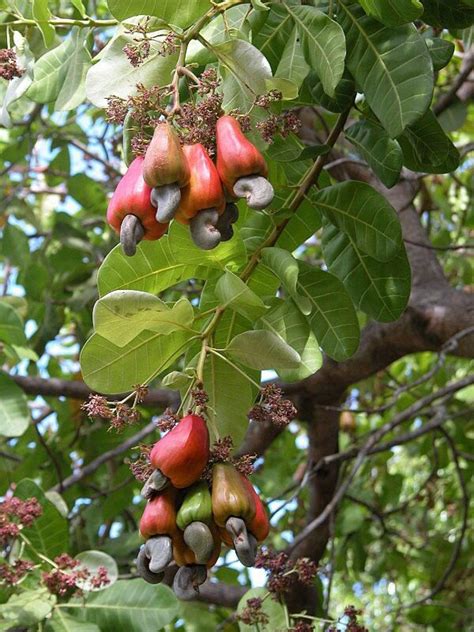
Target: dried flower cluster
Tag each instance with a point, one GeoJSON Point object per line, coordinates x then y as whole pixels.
{"type": "Point", "coordinates": [302, 626]}
{"type": "Point", "coordinates": [141, 468]}
{"type": "Point", "coordinates": [119, 414]}
{"type": "Point", "coordinates": [15, 514]}
{"type": "Point", "coordinates": [282, 124]}
{"type": "Point", "coordinates": [139, 50]}
{"type": "Point", "coordinates": [349, 621]}
{"type": "Point", "coordinates": [253, 614]}
{"type": "Point", "coordinates": [273, 408]}
{"type": "Point", "coordinates": [65, 580]}
{"type": "Point", "coordinates": [282, 572]}
{"type": "Point", "coordinates": [167, 421]}
{"type": "Point", "coordinates": [221, 452]}
{"type": "Point", "coordinates": [11, 574]}
{"type": "Point", "coordinates": [200, 398]}
{"type": "Point", "coordinates": [9, 68]}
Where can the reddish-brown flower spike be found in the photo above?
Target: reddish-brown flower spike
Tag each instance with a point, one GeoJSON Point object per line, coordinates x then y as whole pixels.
{"type": "Point", "coordinates": [130, 212]}
{"type": "Point", "coordinates": [182, 454]}
{"type": "Point", "coordinates": [241, 166]}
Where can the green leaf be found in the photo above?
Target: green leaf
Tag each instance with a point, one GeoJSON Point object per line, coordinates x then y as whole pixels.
{"type": "Point", "coordinates": [92, 561]}
{"type": "Point", "coordinates": [351, 519]}
{"type": "Point", "coordinates": [79, 5]}
{"type": "Point", "coordinates": [393, 12]}
{"type": "Point", "coordinates": [15, 245]}
{"type": "Point", "coordinates": [236, 295]}
{"type": "Point", "coordinates": [272, 37]}
{"type": "Point", "coordinates": [392, 66]}
{"type": "Point", "coordinates": [11, 326]}
{"type": "Point", "coordinates": [42, 14]}
{"type": "Point", "coordinates": [59, 75]}
{"type": "Point", "coordinates": [130, 606]}
{"type": "Point", "coordinates": [343, 96]}
{"type": "Point", "coordinates": [292, 65]}
{"type": "Point", "coordinates": [177, 12]}
{"type": "Point", "coordinates": [302, 225]}
{"type": "Point", "coordinates": [333, 318]}
{"type": "Point", "coordinates": [285, 266]}
{"type": "Point", "coordinates": [365, 215]}
{"type": "Point", "coordinates": [231, 396]}
{"type": "Point", "coordinates": [259, 6]}
{"type": "Point", "coordinates": [101, 80]}
{"type": "Point", "coordinates": [244, 71]}
{"type": "Point", "coordinates": [29, 607]}
{"type": "Point", "coordinates": [176, 380]}
{"type": "Point", "coordinates": [440, 49]}
{"type": "Point", "coordinates": [381, 290]}
{"type": "Point", "coordinates": [288, 89]}
{"type": "Point", "coordinates": [285, 320]}
{"type": "Point", "coordinates": [285, 149]}
{"type": "Point", "coordinates": [121, 315]}
{"type": "Point", "coordinates": [323, 44]}
{"type": "Point", "coordinates": [451, 14]}
{"type": "Point", "coordinates": [382, 153]}
{"type": "Point", "coordinates": [272, 608]}
{"type": "Point", "coordinates": [426, 147]}
{"type": "Point", "coordinates": [49, 534]}
{"type": "Point", "coordinates": [110, 369]}
{"type": "Point", "coordinates": [14, 413]}
{"type": "Point", "coordinates": [62, 622]}
{"type": "Point", "coordinates": [87, 192]}
{"type": "Point", "coordinates": [263, 350]}
{"type": "Point", "coordinates": [159, 265]}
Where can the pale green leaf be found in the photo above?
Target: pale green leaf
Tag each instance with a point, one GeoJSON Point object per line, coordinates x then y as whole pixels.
{"type": "Point", "coordinates": [63, 622]}
{"type": "Point", "coordinates": [364, 214]}
{"type": "Point", "coordinates": [49, 534]}
{"type": "Point", "coordinates": [292, 64]}
{"type": "Point", "coordinates": [273, 609]}
{"type": "Point", "coordinates": [121, 315]}
{"type": "Point", "coordinates": [91, 561]}
{"type": "Point", "coordinates": [285, 266]}
{"type": "Point", "coordinates": [244, 71]}
{"type": "Point", "coordinates": [333, 318]}
{"type": "Point", "coordinates": [110, 369]}
{"type": "Point", "coordinates": [180, 13]}
{"type": "Point", "coordinates": [130, 606]}
{"type": "Point", "coordinates": [263, 349]}
{"type": "Point", "coordinates": [14, 413]}
{"type": "Point", "coordinates": [101, 80]}
{"type": "Point", "coordinates": [235, 294]}
{"type": "Point", "coordinates": [382, 153]}
{"type": "Point", "coordinates": [285, 320]}
{"type": "Point", "coordinates": [381, 290]}
{"type": "Point", "coordinates": [393, 12]}
{"type": "Point", "coordinates": [42, 14]}
{"type": "Point", "coordinates": [323, 44]}
{"type": "Point", "coordinates": [159, 265]}
{"type": "Point", "coordinates": [392, 67]}
{"type": "Point", "coordinates": [28, 608]}
{"type": "Point", "coordinates": [11, 325]}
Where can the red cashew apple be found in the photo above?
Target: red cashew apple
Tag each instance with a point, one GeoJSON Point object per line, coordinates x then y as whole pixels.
{"type": "Point", "coordinates": [130, 212]}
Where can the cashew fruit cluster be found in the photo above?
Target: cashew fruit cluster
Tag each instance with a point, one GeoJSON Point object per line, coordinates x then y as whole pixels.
{"type": "Point", "coordinates": [183, 183]}
{"type": "Point", "coordinates": [186, 519]}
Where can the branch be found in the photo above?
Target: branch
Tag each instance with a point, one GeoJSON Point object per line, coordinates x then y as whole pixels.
{"type": "Point", "coordinates": [76, 389]}
{"type": "Point", "coordinates": [94, 465]}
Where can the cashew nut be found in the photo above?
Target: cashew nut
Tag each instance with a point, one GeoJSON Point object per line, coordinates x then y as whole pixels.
{"type": "Point", "coordinates": [159, 551]}
{"type": "Point", "coordinates": [143, 564]}
{"type": "Point", "coordinates": [225, 221]}
{"type": "Point", "coordinates": [166, 200]}
{"type": "Point", "coordinates": [154, 483]}
{"type": "Point", "coordinates": [203, 229]}
{"type": "Point", "coordinates": [187, 581]}
{"type": "Point", "coordinates": [257, 190]}
{"type": "Point", "coordinates": [131, 234]}
{"type": "Point", "coordinates": [198, 537]}
{"type": "Point", "coordinates": [245, 544]}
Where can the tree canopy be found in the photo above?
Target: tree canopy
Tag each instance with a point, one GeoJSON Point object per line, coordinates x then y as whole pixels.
{"type": "Point", "coordinates": [326, 338]}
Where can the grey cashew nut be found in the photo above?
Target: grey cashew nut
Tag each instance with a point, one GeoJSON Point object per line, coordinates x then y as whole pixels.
{"type": "Point", "coordinates": [225, 221]}
{"type": "Point", "coordinates": [159, 550]}
{"type": "Point", "coordinates": [187, 581]}
{"type": "Point", "coordinates": [166, 200]}
{"type": "Point", "coordinates": [198, 537]}
{"type": "Point", "coordinates": [203, 229]}
{"type": "Point", "coordinates": [257, 190]}
{"type": "Point", "coordinates": [245, 544]}
{"type": "Point", "coordinates": [143, 568]}
{"type": "Point", "coordinates": [154, 483]}
{"type": "Point", "coordinates": [131, 234]}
